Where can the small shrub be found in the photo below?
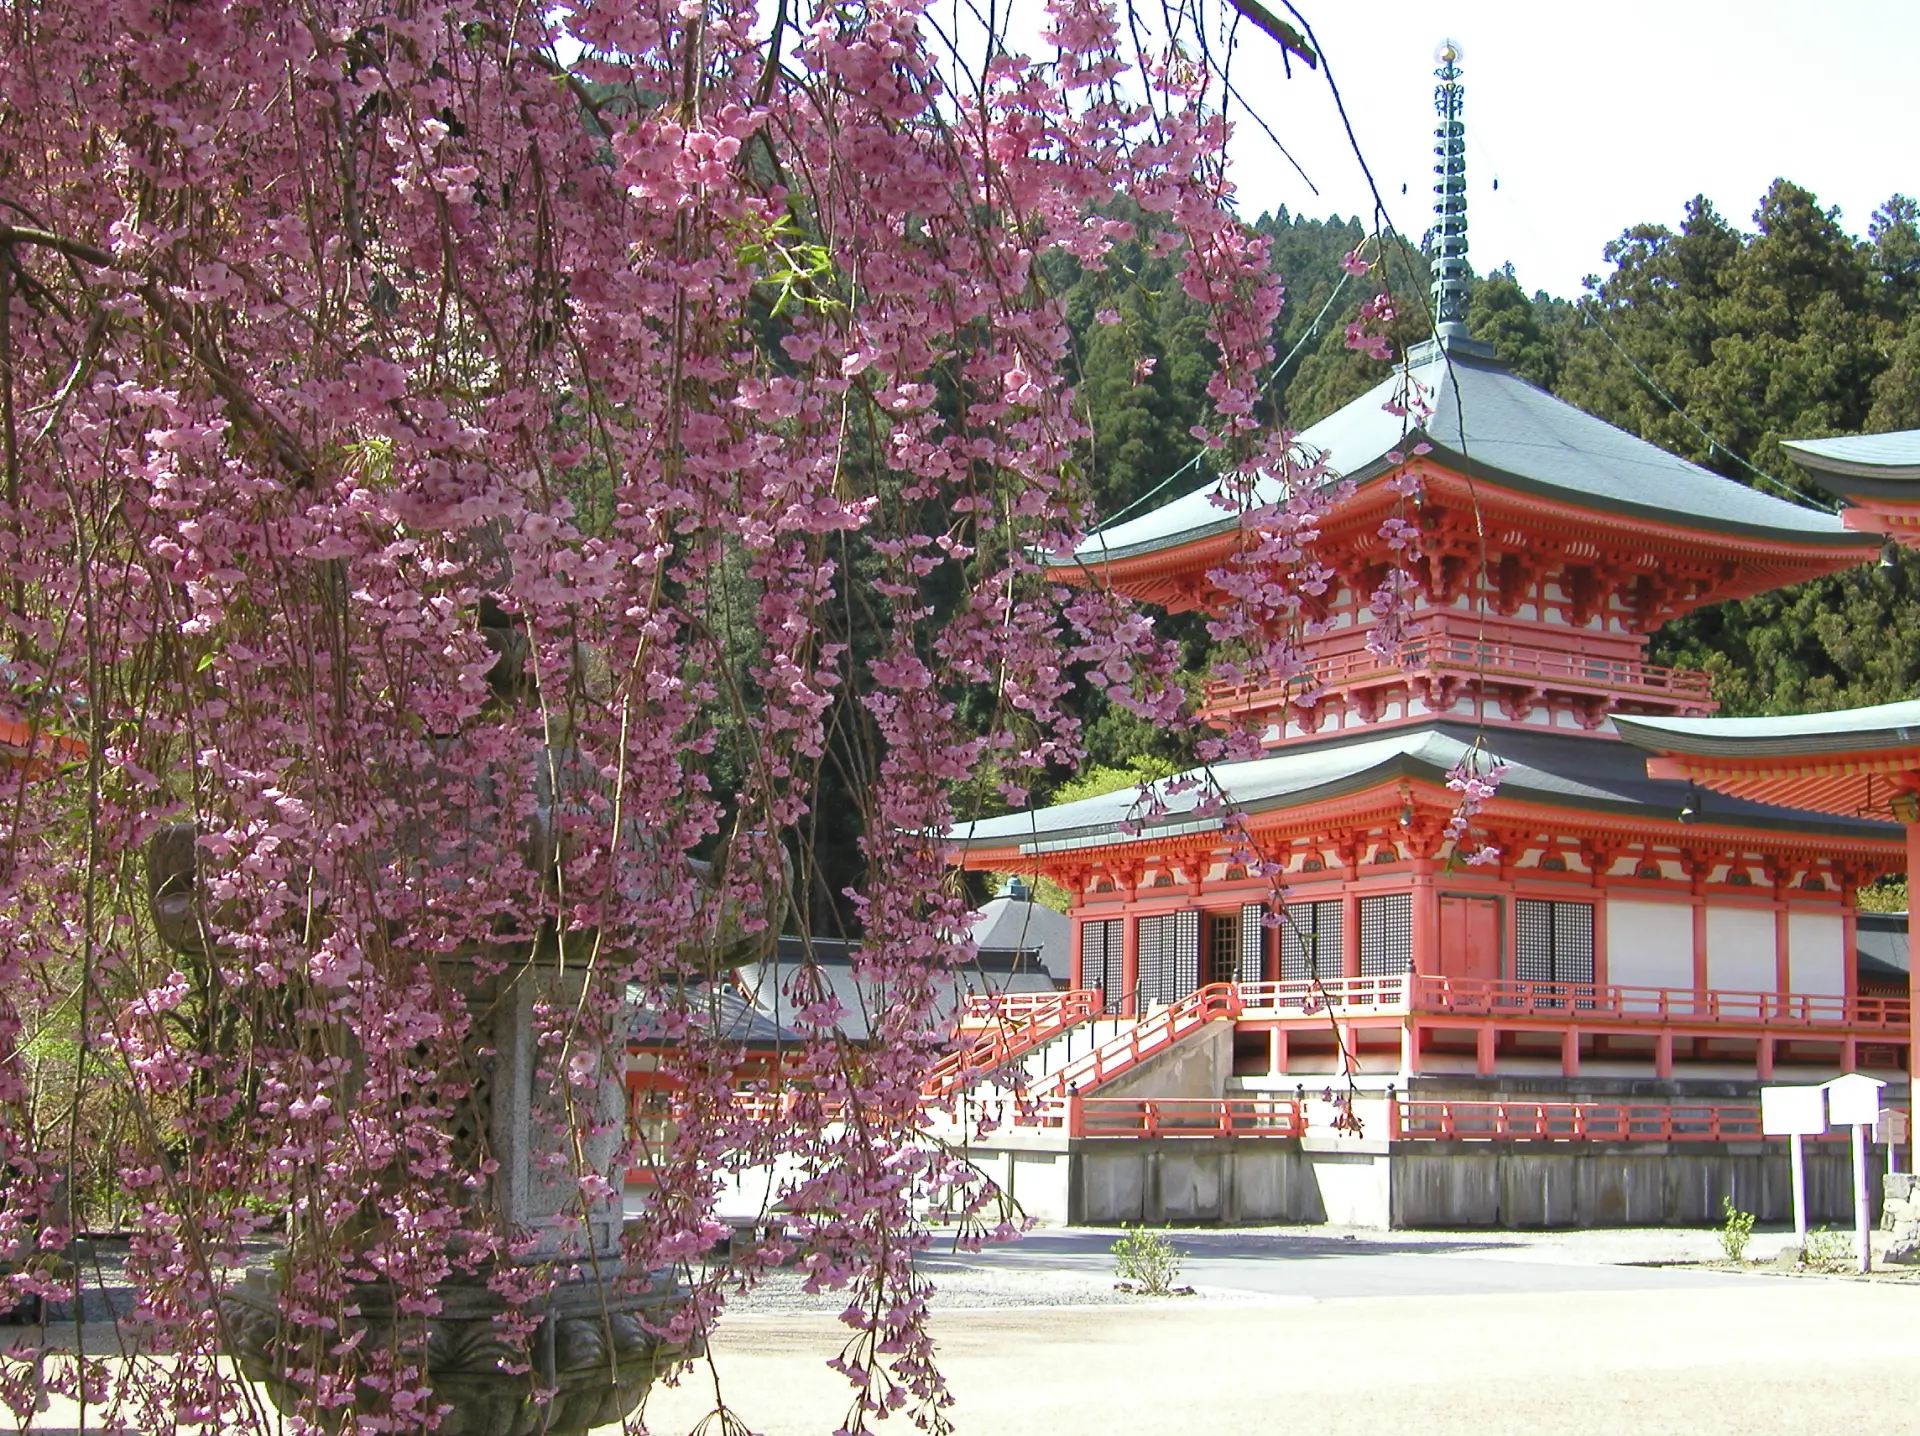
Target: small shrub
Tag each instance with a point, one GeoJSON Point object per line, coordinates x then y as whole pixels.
{"type": "Point", "coordinates": [1827, 1248]}
{"type": "Point", "coordinates": [1738, 1231]}
{"type": "Point", "coordinates": [1147, 1259]}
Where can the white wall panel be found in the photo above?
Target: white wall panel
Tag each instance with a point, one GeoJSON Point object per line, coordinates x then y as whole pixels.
{"type": "Point", "coordinates": [1740, 950]}
{"type": "Point", "coordinates": [1649, 944]}
{"type": "Point", "coordinates": [1817, 953]}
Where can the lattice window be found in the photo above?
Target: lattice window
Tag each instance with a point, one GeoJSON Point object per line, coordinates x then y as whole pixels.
{"type": "Point", "coordinates": [1101, 962]}
{"type": "Point", "coordinates": [1386, 935]}
{"type": "Point", "coordinates": [1169, 956]}
{"type": "Point", "coordinates": [1311, 943]}
{"type": "Point", "coordinates": [1553, 941]}
{"type": "Point", "coordinates": [1253, 943]}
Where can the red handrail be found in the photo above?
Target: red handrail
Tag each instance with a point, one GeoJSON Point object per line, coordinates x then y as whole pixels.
{"type": "Point", "coordinates": [1346, 994]}
{"type": "Point", "coordinates": [1146, 1038]}
{"type": "Point", "coordinates": [1567, 1001]}
{"type": "Point", "coordinates": [1429, 647]}
{"type": "Point", "coordinates": [1413, 1120]}
{"type": "Point", "coordinates": [1577, 1001]}
{"type": "Point", "coordinates": [1252, 1115]}
{"type": "Point", "coordinates": [1017, 1023]}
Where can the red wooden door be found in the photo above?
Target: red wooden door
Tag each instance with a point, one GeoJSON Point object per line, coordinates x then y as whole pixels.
{"type": "Point", "coordinates": [1470, 937]}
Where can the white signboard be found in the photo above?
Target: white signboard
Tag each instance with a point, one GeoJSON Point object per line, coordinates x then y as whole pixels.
{"type": "Point", "coordinates": [1852, 1099]}
{"type": "Point", "coordinates": [1892, 1128]}
{"type": "Point", "coordinates": [1793, 1111]}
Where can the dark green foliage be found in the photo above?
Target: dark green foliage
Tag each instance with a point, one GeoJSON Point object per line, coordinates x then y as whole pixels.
{"type": "Point", "coordinates": [1794, 331]}
{"type": "Point", "coordinates": [1521, 330]}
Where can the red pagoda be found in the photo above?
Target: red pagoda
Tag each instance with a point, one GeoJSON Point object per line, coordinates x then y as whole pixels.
{"type": "Point", "coordinates": [1638, 958]}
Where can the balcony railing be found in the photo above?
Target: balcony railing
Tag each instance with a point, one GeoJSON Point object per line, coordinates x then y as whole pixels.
{"type": "Point", "coordinates": [1409, 1120]}
{"type": "Point", "coordinates": [1425, 995]}
{"type": "Point", "coordinates": [1430, 651]}
{"type": "Point", "coordinates": [1255, 1115]}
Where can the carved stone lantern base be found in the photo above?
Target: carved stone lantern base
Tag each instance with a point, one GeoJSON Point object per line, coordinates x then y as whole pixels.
{"type": "Point", "coordinates": [592, 1351]}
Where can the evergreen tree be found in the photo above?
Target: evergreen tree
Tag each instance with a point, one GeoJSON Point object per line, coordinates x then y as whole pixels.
{"type": "Point", "coordinates": [1716, 344]}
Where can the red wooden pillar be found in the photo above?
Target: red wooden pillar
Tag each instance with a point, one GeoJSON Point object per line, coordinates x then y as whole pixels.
{"type": "Point", "coordinates": [1600, 978]}
{"type": "Point", "coordinates": [1130, 963]}
{"type": "Point", "coordinates": [1700, 942]}
{"type": "Point", "coordinates": [1913, 994]}
{"type": "Point", "coordinates": [1782, 966]}
{"type": "Point", "coordinates": [1426, 917]}
{"type": "Point", "coordinates": [1850, 947]}
{"type": "Point", "coordinates": [1486, 1048]}
{"type": "Point", "coordinates": [1076, 976]}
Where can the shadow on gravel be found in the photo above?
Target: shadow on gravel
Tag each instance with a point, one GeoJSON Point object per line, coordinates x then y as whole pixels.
{"type": "Point", "coordinates": [1072, 1248]}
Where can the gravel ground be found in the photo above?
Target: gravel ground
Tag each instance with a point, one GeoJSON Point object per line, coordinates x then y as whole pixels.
{"type": "Point", "coordinates": [1311, 1329]}
{"type": "Point", "coordinates": [1734, 1357]}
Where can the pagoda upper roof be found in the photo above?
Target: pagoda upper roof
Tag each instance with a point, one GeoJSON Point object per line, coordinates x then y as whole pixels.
{"type": "Point", "coordinates": [1492, 425]}
{"type": "Point", "coordinates": [1559, 770]}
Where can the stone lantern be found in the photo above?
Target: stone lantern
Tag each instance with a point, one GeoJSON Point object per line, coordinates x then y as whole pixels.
{"type": "Point", "coordinates": [592, 1347]}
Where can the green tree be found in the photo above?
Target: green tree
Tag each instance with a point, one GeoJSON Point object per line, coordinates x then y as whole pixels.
{"type": "Point", "coordinates": [1500, 314]}
{"type": "Point", "coordinates": [1717, 344]}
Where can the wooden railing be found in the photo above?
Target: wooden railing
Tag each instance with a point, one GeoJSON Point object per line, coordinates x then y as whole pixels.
{"type": "Point", "coordinates": [980, 1008]}
{"type": "Point", "coordinates": [1429, 995]}
{"type": "Point", "coordinates": [1145, 1038]}
{"type": "Point", "coordinates": [1427, 650]}
{"type": "Point", "coordinates": [1349, 995]}
{"type": "Point", "coordinates": [1001, 1027]}
{"type": "Point", "coordinates": [1409, 1120]}
{"type": "Point", "coordinates": [1654, 1004]}
{"type": "Point", "coordinates": [1248, 1116]}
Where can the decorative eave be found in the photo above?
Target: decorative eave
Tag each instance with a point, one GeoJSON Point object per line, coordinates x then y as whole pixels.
{"type": "Point", "coordinates": [1377, 792]}
{"type": "Point", "coordinates": [1850, 762]}
{"type": "Point", "coordinates": [1720, 564]}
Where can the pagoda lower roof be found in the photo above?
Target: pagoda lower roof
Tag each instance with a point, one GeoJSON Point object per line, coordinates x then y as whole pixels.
{"type": "Point", "coordinates": [1880, 728]}
{"type": "Point", "coordinates": [1576, 773]}
{"type": "Point", "coordinates": [1492, 425]}
{"type": "Point", "coordinates": [1889, 459]}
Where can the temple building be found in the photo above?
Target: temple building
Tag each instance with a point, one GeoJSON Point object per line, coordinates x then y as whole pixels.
{"type": "Point", "coordinates": [1639, 949]}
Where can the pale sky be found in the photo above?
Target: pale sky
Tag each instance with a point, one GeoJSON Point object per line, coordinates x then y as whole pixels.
{"type": "Point", "coordinates": [1594, 117]}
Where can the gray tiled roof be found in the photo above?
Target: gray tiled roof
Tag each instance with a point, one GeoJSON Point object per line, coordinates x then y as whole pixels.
{"type": "Point", "coordinates": [1885, 725]}
{"type": "Point", "coordinates": [1491, 424]}
{"type": "Point", "coordinates": [769, 986]}
{"type": "Point", "coordinates": [1881, 946]}
{"type": "Point", "coordinates": [1562, 770]}
{"type": "Point", "coordinates": [1887, 456]}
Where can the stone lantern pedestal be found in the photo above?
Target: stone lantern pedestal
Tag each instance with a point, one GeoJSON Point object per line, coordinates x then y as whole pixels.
{"type": "Point", "coordinates": [591, 1348]}
{"type": "Point", "coordinates": [590, 1352]}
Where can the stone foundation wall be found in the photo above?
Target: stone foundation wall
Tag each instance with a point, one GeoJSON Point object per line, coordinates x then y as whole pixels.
{"type": "Point", "coordinates": [1613, 1184]}
{"type": "Point", "coordinates": [1900, 1217]}
{"type": "Point", "coordinates": [1446, 1185]}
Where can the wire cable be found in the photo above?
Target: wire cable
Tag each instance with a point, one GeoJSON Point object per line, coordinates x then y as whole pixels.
{"type": "Point", "coordinates": [1713, 445]}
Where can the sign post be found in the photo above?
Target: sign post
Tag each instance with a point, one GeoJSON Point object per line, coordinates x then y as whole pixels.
{"type": "Point", "coordinates": [1795, 1113]}
{"type": "Point", "coordinates": [1854, 1100]}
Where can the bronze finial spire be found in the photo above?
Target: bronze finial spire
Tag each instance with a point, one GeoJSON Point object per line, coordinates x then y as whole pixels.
{"type": "Point", "coordinates": [1450, 272]}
